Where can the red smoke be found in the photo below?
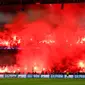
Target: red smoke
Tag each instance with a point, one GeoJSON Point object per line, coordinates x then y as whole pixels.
{"type": "Point", "coordinates": [51, 36]}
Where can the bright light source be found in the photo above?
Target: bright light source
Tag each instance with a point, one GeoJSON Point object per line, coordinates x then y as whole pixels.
{"type": "Point", "coordinates": [6, 43]}
{"type": "Point", "coordinates": [35, 68]}
{"type": "Point", "coordinates": [14, 71]}
{"type": "Point", "coordinates": [83, 39]}
{"type": "Point", "coordinates": [19, 41]}
{"type": "Point", "coordinates": [14, 38]}
{"type": "Point", "coordinates": [81, 64]}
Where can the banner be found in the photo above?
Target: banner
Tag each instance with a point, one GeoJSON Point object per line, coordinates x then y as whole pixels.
{"type": "Point", "coordinates": [29, 76]}
{"type": "Point", "coordinates": [68, 76]}
{"type": "Point", "coordinates": [10, 76]}
{"type": "Point", "coordinates": [36, 76]}
{"type": "Point", "coordinates": [79, 76]}
{"type": "Point", "coordinates": [57, 76]}
{"type": "Point", "coordinates": [22, 76]}
{"type": "Point", "coordinates": [1, 75]}
{"type": "Point", "coordinates": [40, 76]}
{"type": "Point", "coordinates": [45, 76]}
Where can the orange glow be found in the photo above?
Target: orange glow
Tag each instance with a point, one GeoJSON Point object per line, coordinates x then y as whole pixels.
{"type": "Point", "coordinates": [35, 68]}
{"type": "Point", "coordinates": [6, 43]}
{"type": "Point", "coordinates": [81, 64]}
{"type": "Point", "coordinates": [14, 38]}
{"type": "Point", "coordinates": [19, 41]}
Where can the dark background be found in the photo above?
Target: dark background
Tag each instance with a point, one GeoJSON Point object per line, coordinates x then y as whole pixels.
{"type": "Point", "coordinates": [41, 1]}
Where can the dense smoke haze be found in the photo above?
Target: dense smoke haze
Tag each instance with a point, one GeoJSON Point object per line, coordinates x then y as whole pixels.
{"type": "Point", "coordinates": [50, 35]}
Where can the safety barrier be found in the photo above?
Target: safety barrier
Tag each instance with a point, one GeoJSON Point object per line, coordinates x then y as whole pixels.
{"type": "Point", "coordinates": [40, 76]}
